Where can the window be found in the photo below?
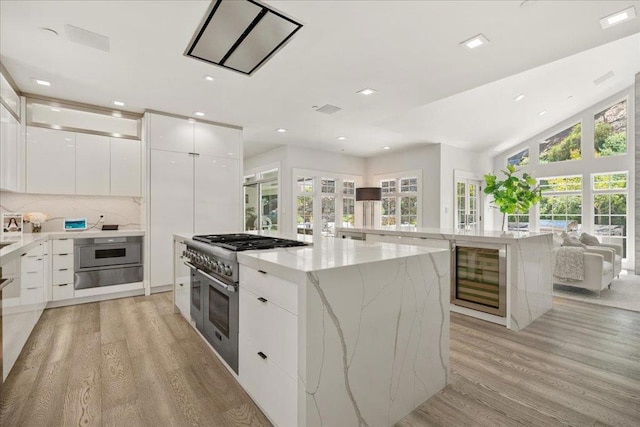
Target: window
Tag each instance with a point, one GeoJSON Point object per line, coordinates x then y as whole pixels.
{"type": "Point", "coordinates": [519, 159]}
{"type": "Point", "coordinates": [328, 189]}
{"type": "Point", "coordinates": [610, 208]}
{"type": "Point", "coordinates": [565, 145]}
{"type": "Point", "coordinates": [348, 203]}
{"type": "Point", "coordinates": [610, 137]}
{"type": "Point", "coordinates": [467, 203]}
{"type": "Point", "coordinates": [401, 192]}
{"type": "Point", "coordinates": [561, 204]}
{"type": "Point", "coordinates": [305, 205]}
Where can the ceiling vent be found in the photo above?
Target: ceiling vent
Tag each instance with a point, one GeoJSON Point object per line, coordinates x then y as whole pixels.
{"type": "Point", "coordinates": [88, 38]}
{"type": "Point", "coordinates": [240, 35]}
{"type": "Point", "coordinates": [328, 109]}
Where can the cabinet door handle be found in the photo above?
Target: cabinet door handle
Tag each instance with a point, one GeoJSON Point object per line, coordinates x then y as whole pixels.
{"type": "Point", "coordinates": [39, 259]}
{"type": "Point", "coordinates": [262, 299]}
{"type": "Point", "coordinates": [63, 254]}
{"type": "Point", "coordinates": [262, 272]}
{"type": "Point", "coordinates": [63, 269]}
{"type": "Point", "coordinates": [180, 284]}
{"type": "Point", "coordinates": [32, 272]}
{"type": "Point", "coordinates": [261, 354]}
{"type": "Point", "coordinates": [30, 289]}
{"type": "Point", "coordinates": [63, 285]}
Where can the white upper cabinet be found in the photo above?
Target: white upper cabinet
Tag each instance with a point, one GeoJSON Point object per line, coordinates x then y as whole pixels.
{"type": "Point", "coordinates": [218, 141]}
{"type": "Point", "coordinates": [170, 133]}
{"type": "Point", "coordinates": [125, 167]}
{"type": "Point", "coordinates": [51, 161]}
{"type": "Point", "coordinates": [9, 149]}
{"type": "Point", "coordinates": [92, 164]}
{"type": "Point", "coordinates": [217, 195]}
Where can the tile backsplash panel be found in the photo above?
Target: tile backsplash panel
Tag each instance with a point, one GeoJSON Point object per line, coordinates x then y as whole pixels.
{"type": "Point", "coordinates": [124, 211]}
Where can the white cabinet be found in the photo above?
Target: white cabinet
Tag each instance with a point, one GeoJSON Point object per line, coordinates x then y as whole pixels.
{"type": "Point", "coordinates": [220, 141]}
{"type": "Point", "coordinates": [51, 161]}
{"type": "Point", "coordinates": [268, 343]}
{"type": "Point", "coordinates": [92, 164]}
{"type": "Point", "coordinates": [190, 192]}
{"type": "Point", "coordinates": [217, 195]}
{"type": "Point", "coordinates": [62, 269]}
{"type": "Point", "coordinates": [182, 280]}
{"type": "Point", "coordinates": [170, 133]}
{"type": "Point", "coordinates": [171, 209]}
{"type": "Point", "coordinates": [125, 167]}
{"type": "Point", "coordinates": [9, 149]}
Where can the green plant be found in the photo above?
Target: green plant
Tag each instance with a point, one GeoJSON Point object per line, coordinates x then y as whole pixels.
{"type": "Point", "coordinates": [513, 195]}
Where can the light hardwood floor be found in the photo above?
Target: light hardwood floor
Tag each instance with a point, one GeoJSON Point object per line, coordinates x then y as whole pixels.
{"type": "Point", "coordinates": [133, 362]}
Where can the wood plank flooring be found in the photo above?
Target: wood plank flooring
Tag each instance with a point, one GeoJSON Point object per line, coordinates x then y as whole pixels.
{"type": "Point", "coordinates": [133, 362]}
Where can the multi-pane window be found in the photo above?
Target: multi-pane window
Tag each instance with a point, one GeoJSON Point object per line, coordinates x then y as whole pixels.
{"type": "Point", "coordinates": [348, 203]}
{"type": "Point", "coordinates": [565, 145]}
{"type": "Point", "coordinates": [610, 138]}
{"type": "Point", "coordinates": [610, 208]}
{"type": "Point", "coordinates": [328, 189]}
{"type": "Point", "coordinates": [519, 159]}
{"type": "Point", "coordinates": [304, 205]}
{"type": "Point", "coordinates": [561, 204]}
{"type": "Point", "coordinates": [402, 192]}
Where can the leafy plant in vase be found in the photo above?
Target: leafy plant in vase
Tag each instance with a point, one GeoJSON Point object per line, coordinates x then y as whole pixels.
{"type": "Point", "coordinates": [36, 219]}
{"type": "Point", "coordinates": [513, 195]}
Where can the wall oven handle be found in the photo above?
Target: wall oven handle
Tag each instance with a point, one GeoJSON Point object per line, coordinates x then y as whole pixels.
{"type": "Point", "coordinates": [228, 288]}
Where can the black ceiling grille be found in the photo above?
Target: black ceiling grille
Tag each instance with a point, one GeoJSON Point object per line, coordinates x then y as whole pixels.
{"type": "Point", "coordinates": [240, 35]}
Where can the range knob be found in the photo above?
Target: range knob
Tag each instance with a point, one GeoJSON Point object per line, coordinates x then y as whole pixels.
{"type": "Point", "coordinates": [214, 265]}
{"type": "Point", "coordinates": [221, 267]}
{"type": "Point", "coordinates": [227, 271]}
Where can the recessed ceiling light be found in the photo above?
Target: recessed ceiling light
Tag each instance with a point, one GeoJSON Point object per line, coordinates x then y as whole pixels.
{"type": "Point", "coordinates": [43, 82]}
{"type": "Point", "coordinates": [208, 78]}
{"type": "Point", "coordinates": [519, 97]}
{"type": "Point", "coordinates": [342, 138]}
{"type": "Point", "coordinates": [281, 130]}
{"type": "Point", "coordinates": [367, 91]}
{"type": "Point", "coordinates": [386, 147]}
{"type": "Point", "coordinates": [118, 103]}
{"type": "Point", "coordinates": [199, 113]}
{"type": "Point", "coordinates": [191, 120]}
{"type": "Point", "coordinates": [56, 126]}
{"type": "Point", "coordinates": [542, 113]}
{"type": "Point", "coordinates": [55, 110]}
{"type": "Point", "coordinates": [116, 134]}
{"type": "Point", "coordinates": [475, 41]}
{"type": "Point", "coordinates": [116, 114]}
{"type": "Point", "coordinates": [618, 17]}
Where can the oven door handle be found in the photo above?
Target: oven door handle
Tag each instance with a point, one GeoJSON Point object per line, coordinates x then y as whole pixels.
{"type": "Point", "coordinates": [228, 288]}
{"type": "Point", "coordinates": [191, 266]}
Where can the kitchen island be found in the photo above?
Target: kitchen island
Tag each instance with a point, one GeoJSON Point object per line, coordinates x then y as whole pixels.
{"type": "Point", "coordinates": [342, 333]}
{"type": "Point", "coordinates": [527, 269]}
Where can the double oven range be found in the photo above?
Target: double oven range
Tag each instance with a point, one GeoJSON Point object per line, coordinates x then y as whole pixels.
{"type": "Point", "coordinates": [214, 285]}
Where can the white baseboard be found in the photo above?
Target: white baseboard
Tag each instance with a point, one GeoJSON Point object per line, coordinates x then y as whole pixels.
{"type": "Point", "coordinates": [479, 315]}
{"type": "Point", "coordinates": [95, 298]}
{"type": "Point", "coordinates": [163, 288]}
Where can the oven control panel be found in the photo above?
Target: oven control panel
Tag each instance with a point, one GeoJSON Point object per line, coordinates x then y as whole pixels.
{"type": "Point", "coordinates": [208, 262]}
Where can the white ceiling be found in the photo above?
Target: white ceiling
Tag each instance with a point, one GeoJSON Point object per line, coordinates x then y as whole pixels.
{"type": "Point", "coordinates": [430, 88]}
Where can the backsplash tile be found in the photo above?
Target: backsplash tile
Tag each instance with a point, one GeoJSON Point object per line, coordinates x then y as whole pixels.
{"type": "Point", "coordinates": [124, 211]}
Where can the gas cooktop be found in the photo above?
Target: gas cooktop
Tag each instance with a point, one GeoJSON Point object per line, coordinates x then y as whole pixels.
{"type": "Point", "coordinates": [245, 242]}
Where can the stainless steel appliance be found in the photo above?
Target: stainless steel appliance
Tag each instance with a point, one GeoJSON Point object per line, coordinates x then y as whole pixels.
{"type": "Point", "coordinates": [479, 277]}
{"type": "Point", "coordinates": [107, 261]}
{"type": "Point", "coordinates": [214, 285]}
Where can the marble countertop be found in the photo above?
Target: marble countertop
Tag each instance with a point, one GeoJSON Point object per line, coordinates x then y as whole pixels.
{"type": "Point", "coordinates": [447, 234]}
{"type": "Point", "coordinates": [23, 242]}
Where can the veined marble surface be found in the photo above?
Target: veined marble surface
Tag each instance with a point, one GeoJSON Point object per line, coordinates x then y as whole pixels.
{"type": "Point", "coordinates": [374, 340]}
{"type": "Point", "coordinates": [447, 234]}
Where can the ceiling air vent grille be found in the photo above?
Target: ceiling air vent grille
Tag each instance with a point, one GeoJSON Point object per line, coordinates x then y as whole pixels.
{"type": "Point", "coordinates": [328, 109]}
{"type": "Point", "coordinates": [240, 35]}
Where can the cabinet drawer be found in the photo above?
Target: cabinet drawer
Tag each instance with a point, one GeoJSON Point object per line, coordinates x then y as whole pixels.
{"type": "Point", "coordinates": [61, 261]}
{"type": "Point", "coordinates": [63, 246]}
{"type": "Point", "coordinates": [62, 276]}
{"type": "Point", "coordinates": [271, 329]}
{"type": "Point", "coordinates": [268, 385]}
{"type": "Point", "coordinates": [32, 279]}
{"type": "Point", "coordinates": [64, 291]}
{"type": "Point", "coordinates": [30, 296]}
{"type": "Point", "coordinates": [278, 291]}
{"type": "Point", "coordinates": [31, 263]}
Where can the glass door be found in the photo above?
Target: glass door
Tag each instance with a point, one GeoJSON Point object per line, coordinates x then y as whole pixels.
{"type": "Point", "coordinates": [261, 202]}
{"type": "Point", "coordinates": [468, 204]}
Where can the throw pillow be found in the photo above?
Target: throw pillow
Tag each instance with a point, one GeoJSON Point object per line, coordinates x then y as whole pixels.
{"type": "Point", "coordinates": [589, 240]}
{"type": "Point", "coordinates": [573, 241]}
{"type": "Point", "coordinates": [557, 240]}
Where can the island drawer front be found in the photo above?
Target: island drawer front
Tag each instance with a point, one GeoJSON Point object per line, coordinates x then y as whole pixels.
{"type": "Point", "coordinates": [31, 263]}
{"type": "Point", "coordinates": [32, 279]}
{"type": "Point", "coordinates": [61, 261]}
{"type": "Point", "coordinates": [278, 291]}
{"type": "Point", "coordinates": [63, 246]}
{"type": "Point", "coordinates": [270, 328]}
{"type": "Point", "coordinates": [63, 291]}
{"type": "Point", "coordinates": [272, 389]}
{"type": "Point", "coordinates": [62, 276]}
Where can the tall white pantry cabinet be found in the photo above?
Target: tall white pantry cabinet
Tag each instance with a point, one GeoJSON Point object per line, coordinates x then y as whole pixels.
{"type": "Point", "coordinates": [195, 185]}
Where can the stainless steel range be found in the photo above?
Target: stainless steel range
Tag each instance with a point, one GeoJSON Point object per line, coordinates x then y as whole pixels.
{"type": "Point", "coordinates": [214, 285]}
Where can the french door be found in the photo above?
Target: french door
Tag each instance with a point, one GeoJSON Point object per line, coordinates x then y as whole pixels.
{"type": "Point", "coordinates": [468, 204]}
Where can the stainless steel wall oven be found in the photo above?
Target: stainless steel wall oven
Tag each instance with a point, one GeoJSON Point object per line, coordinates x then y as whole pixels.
{"type": "Point", "coordinates": [107, 261]}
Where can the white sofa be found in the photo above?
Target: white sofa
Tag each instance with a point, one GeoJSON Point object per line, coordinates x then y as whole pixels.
{"type": "Point", "coordinates": [598, 270]}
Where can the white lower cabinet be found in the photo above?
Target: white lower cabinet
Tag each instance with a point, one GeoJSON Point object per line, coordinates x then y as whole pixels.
{"type": "Point", "coordinates": [62, 269]}
{"type": "Point", "coordinates": [268, 344]}
{"type": "Point", "coordinates": [182, 280]}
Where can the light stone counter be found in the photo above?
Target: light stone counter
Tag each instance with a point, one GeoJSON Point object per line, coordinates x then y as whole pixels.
{"type": "Point", "coordinates": [529, 284]}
